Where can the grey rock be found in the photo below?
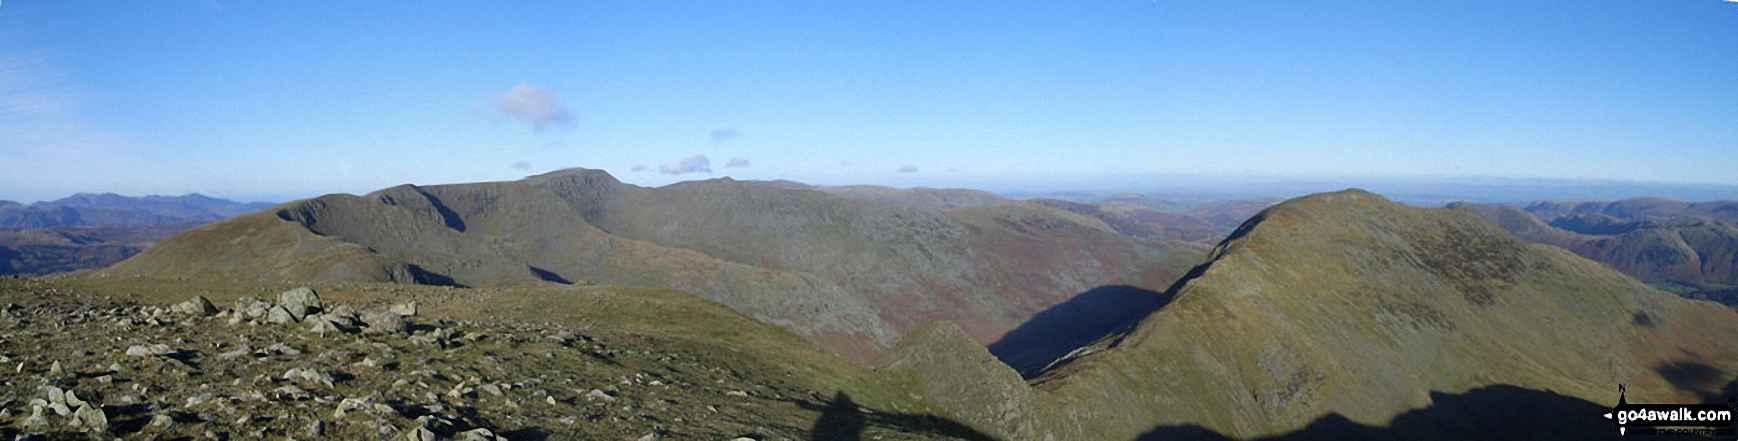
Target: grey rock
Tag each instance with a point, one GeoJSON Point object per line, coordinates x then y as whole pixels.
{"type": "Point", "coordinates": [478, 434]}
{"type": "Point", "coordinates": [150, 350]}
{"type": "Point", "coordinates": [281, 316]}
{"type": "Point", "coordinates": [162, 421]}
{"type": "Point", "coordinates": [419, 434]}
{"type": "Point", "coordinates": [280, 348]}
{"type": "Point", "coordinates": [346, 312]}
{"type": "Point", "coordinates": [384, 322]}
{"type": "Point", "coordinates": [290, 392]}
{"type": "Point", "coordinates": [407, 309]}
{"type": "Point", "coordinates": [491, 389]}
{"type": "Point", "coordinates": [252, 307]}
{"type": "Point", "coordinates": [599, 395]}
{"type": "Point", "coordinates": [36, 419]}
{"type": "Point", "coordinates": [348, 405]}
{"type": "Point", "coordinates": [91, 418]}
{"type": "Point", "coordinates": [300, 302]}
{"type": "Point", "coordinates": [198, 305]}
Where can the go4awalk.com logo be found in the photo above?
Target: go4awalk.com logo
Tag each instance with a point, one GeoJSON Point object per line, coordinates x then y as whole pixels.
{"type": "Point", "coordinates": [1671, 419]}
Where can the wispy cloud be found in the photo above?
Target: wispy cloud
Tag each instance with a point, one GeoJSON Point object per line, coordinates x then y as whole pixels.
{"type": "Point", "coordinates": [737, 162]}
{"type": "Point", "coordinates": [536, 106]}
{"type": "Point", "coordinates": [640, 168]}
{"type": "Point", "coordinates": [721, 135]}
{"type": "Point", "coordinates": [908, 169]}
{"type": "Point", "coordinates": [522, 165]}
{"type": "Point", "coordinates": [691, 164]}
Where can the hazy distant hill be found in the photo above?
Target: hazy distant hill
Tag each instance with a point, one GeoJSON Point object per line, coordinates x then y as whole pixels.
{"type": "Point", "coordinates": [850, 274]}
{"type": "Point", "coordinates": [112, 210]}
{"type": "Point", "coordinates": [917, 197]}
{"type": "Point", "coordinates": [1345, 315]}
{"type": "Point", "coordinates": [1690, 248]}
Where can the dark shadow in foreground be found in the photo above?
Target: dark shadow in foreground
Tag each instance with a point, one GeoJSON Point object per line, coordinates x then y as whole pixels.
{"type": "Point", "coordinates": [1491, 412]}
{"type": "Point", "coordinates": [1081, 320]}
{"type": "Point", "coordinates": [842, 420]}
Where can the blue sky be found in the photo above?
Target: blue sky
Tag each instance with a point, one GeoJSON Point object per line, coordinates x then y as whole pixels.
{"type": "Point", "coordinates": [281, 100]}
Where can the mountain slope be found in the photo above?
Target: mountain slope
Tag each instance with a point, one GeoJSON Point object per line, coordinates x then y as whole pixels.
{"type": "Point", "coordinates": [848, 274]}
{"type": "Point", "coordinates": [1349, 307]}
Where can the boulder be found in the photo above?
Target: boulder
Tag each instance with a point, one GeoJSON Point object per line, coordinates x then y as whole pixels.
{"type": "Point", "coordinates": [198, 305]}
{"type": "Point", "coordinates": [300, 302]}
{"type": "Point", "coordinates": [384, 322]}
{"type": "Point", "coordinates": [407, 309]}
{"type": "Point", "coordinates": [252, 307]}
{"type": "Point", "coordinates": [280, 315]}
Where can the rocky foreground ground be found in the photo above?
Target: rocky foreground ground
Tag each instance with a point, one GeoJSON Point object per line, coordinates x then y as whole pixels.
{"type": "Point", "coordinates": [78, 366]}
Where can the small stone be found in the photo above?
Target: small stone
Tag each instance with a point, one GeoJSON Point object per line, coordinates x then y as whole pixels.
{"type": "Point", "coordinates": [290, 393]}
{"type": "Point", "coordinates": [491, 389]}
{"type": "Point", "coordinates": [650, 437]}
{"type": "Point", "coordinates": [737, 393]}
{"type": "Point", "coordinates": [599, 395]}
{"type": "Point", "coordinates": [550, 400]}
{"type": "Point", "coordinates": [478, 434]}
{"type": "Point", "coordinates": [280, 348]}
{"type": "Point", "coordinates": [55, 369]}
{"type": "Point", "coordinates": [348, 405]}
{"type": "Point", "coordinates": [162, 421]}
{"type": "Point", "coordinates": [150, 350]}
{"type": "Point", "coordinates": [419, 434]}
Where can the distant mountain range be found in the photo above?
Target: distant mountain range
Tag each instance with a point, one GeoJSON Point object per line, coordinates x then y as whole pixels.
{"type": "Point", "coordinates": [850, 269]}
{"type": "Point", "coordinates": [1689, 248]}
{"type": "Point", "coordinates": [1347, 316]}
{"type": "Point", "coordinates": [113, 210]}
{"type": "Point", "coordinates": [89, 230]}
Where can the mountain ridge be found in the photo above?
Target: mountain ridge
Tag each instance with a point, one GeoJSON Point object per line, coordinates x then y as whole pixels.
{"type": "Point", "coordinates": [847, 273]}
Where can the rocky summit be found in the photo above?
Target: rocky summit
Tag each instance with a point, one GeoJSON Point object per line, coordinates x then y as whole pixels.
{"type": "Point", "coordinates": [84, 359]}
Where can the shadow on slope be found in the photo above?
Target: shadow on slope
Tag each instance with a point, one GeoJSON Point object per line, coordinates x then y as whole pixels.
{"type": "Point", "coordinates": [1083, 319]}
{"type": "Point", "coordinates": [842, 420]}
{"type": "Point", "coordinates": [1490, 412]}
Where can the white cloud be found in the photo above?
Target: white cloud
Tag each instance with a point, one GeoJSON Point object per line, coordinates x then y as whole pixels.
{"type": "Point", "coordinates": [737, 162]}
{"type": "Point", "coordinates": [691, 164]}
{"type": "Point", "coordinates": [536, 106]}
{"type": "Point", "coordinates": [721, 135]}
{"type": "Point", "coordinates": [908, 169]}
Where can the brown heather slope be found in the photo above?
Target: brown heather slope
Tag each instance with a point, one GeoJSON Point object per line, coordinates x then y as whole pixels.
{"type": "Point", "coordinates": [41, 251]}
{"type": "Point", "coordinates": [848, 274]}
{"type": "Point", "coordinates": [1689, 248]}
{"type": "Point", "coordinates": [1345, 314]}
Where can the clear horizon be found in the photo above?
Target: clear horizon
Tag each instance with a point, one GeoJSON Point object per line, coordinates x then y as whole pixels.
{"type": "Point", "coordinates": [253, 100]}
